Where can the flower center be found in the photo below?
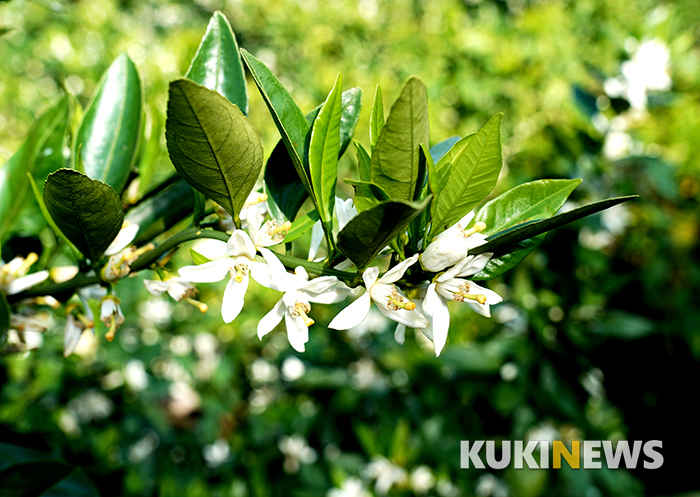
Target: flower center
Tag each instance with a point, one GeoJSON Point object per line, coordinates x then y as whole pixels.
{"type": "Point", "coordinates": [478, 226]}
{"type": "Point", "coordinates": [301, 309]}
{"type": "Point", "coordinates": [262, 197]}
{"type": "Point", "coordinates": [397, 301]}
{"type": "Point", "coordinates": [241, 271]}
{"type": "Point", "coordinates": [277, 232]}
{"type": "Point", "coordinates": [464, 294]}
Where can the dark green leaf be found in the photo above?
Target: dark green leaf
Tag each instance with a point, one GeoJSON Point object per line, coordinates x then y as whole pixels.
{"type": "Point", "coordinates": [363, 161]}
{"type": "Point", "coordinates": [108, 137]}
{"type": "Point", "coordinates": [620, 324]}
{"type": "Point", "coordinates": [283, 182]}
{"type": "Point", "coordinates": [527, 202]}
{"type": "Point", "coordinates": [36, 156]}
{"type": "Point", "coordinates": [376, 118]}
{"type": "Point", "coordinates": [367, 194]}
{"type": "Point", "coordinates": [302, 225]}
{"type": "Point", "coordinates": [4, 317]}
{"type": "Point", "coordinates": [323, 153]}
{"type": "Point", "coordinates": [471, 167]}
{"type": "Point", "coordinates": [370, 231]}
{"type": "Point", "coordinates": [89, 212]}
{"type": "Point", "coordinates": [162, 211]}
{"type": "Point", "coordinates": [504, 261]}
{"type": "Point", "coordinates": [34, 478]}
{"type": "Point", "coordinates": [503, 241]}
{"type": "Point", "coordinates": [198, 258]}
{"type": "Point", "coordinates": [217, 63]}
{"type": "Point", "coordinates": [290, 121]}
{"type": "Point", "coordinates": [396, 156]}
{"type": "Point", "coordinates": [212, 144]}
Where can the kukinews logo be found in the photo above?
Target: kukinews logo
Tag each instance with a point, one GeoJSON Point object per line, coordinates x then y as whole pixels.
{"type": "Point", "coordinates": [588, 454]}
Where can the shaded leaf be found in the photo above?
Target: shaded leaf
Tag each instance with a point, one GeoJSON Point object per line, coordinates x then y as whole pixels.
{"type": "Point", "coordinates": [33, 478]}
{"type": "Point", "coordinates": [89, 212]}
{"type": "Point", "coordinates": [283, 182]}
{"type": "Point", "coordinates": [395, 159]}
{"type": "Point", "coordinates": [162, 211]}
{"type": "Point", "coordinates": [367, 194]}
{"type": "Point", "coordinates": [469, 172]}
{"type": "Point", "coordinates": [370, 231]}
{"type": "Point", "coordinates": [108, 136]}
{"type": "Point", "coordinates": [504, 261]}
{"type": "Point", "coordinates": [212, 144]}
{"type": "Point", "coordinates": [217, 64]}
{"type": "Point", "coordinates": [363, 161]}
{"type": "Point", "coordinates": [4, 317]}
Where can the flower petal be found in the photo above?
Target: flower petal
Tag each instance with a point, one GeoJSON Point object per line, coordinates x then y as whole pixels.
{"type": "Point", "coordinates": [395, 273]}
{"type": "Point", "coordinates": [232, 302]}
{"type": "Point", "coordinates": [240, 244]}
{"type": "Point", "coordinates": [353, 314]}
{"type": "Point", "coordinates": [123, 238]}
{"type": "Point", "coordinates": [72, 336]}
{"type": "Point", "coordinates": [400, 333]}
{"type": "Point", "coordinates": [316, 239]}
{"type": "Point", "coordinates": [369, 276]}
{"type": "Point", "coordinates": [440, 324]}
{"type": "Point", "coordinates": [179, 289]}
{"type": "Point", "coordinates": [475, 264]}
{"type": "Point", "coordinates": [412, 319]}
{"type": "Point", "coordinates": [271, 319]}
{"type": "Point", "coordinates": [297, 331]}
{"type": "Point", "coordinates": [208, 272]}
{"type": "Point", "coordinates": [156, 287]}
{"type": "Point", "coordinates": [25, 282]}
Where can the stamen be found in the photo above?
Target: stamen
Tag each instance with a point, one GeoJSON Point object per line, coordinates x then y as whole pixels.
{"type": "Point", "coordinates": [398, 301]}
{"type": "Point", "coordinates": [262, 197]}
{"type": "Point", "coordinates": [408, 305]}
{"type": "Point", "coordinates": [280, 229]}
{"type": "Point", "coordinates": [470, 296]}
{"type": "Point", "coordinates": [300, 310]}
{"type": "Point", "coordinates": [27, 263]}
{"type": "Point", "coordinates": [478, 226]}
{"type": "Point", "coordinates": [112, 329]}
{"type": "Point", "coordinates": [139, 252]}
{"type": "Point", "coordinates": [87, 322]}
{"type": "Point", "coordinates": [199, 305]}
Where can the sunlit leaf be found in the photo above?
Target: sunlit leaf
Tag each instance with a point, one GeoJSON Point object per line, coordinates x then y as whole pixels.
{"type": "Point", "coordinates": [376, 118]}
{"type": "Point", "coordinates": [301, 225]}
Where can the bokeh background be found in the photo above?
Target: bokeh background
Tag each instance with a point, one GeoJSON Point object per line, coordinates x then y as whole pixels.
{"type": "Point", "coordinates": [598, 337]}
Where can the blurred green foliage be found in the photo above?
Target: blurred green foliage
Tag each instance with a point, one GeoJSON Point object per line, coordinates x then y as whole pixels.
{"type": "Point", "coordinates": [598, 336]}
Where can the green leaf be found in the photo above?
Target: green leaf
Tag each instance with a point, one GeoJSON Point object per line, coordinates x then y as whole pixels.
{"type": "Point", "coordinates": [302, 225]}
{"type": "Point", "coordinates": [33, 478]}
{"type": "Point", "coordinates": [283, 182]}
{"type": "Point", "coordinates": [212, 144]}
{"type": "Point", "coordinates": [367, 194]}
{"type": "Point", "coordinates": [217, 63]}
{"type": "Point", "coordinates": [502, 241]}
{"type": "Point", "coordinates": [370, 231]}
{"type": "Point", "coordinates": [108, 137]}
{"type": "Point", "coordinates": [438, 150]}
{"type": "Point", "coordinates": [395, 159]}
{"type": "Point", "coordinates": [504, 261]}
{"type": "Point", "coordinates": [290, 121]}
{"type": "Point", "coordinates": [89, 212]}
{"type": "Point", "coordinates": [349, 117]}
{"type": "Point", "coordinates": [323, 153]}
{"type": "Point", "coordinates": [36, 156]}
{"type": "Point", "coordinates": [4, 317]}
{"type": "Point", "coordinates": [363, 161]}
{"type": "Point", "coordinates": [162, 211]}
{"type": "Point", "coordinates": [198, 258]}
{"type": "Point", "coordinates": [376, 118]}
{"type": "Point", "coordinates": [474, 163]}
{"type": "Point", "coordinates": [527, 202]}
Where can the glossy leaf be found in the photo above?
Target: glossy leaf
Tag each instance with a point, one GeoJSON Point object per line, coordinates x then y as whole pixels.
{"type": "Point", "coordinates": [376, 118]}
{"type": "Point", "coordinates": [505, 240]}
{"type": "Point", "coordinates": [162, 211]}
{"type": "Point", "coordinates": [33, 478]}
{"type": "Point", "coordinates": [349, 117]}
{"type": "Point", "coordinates": [212, 144]}
{"type": "Point", "coordinates": [396, 156]}
{"type": "Point", "coordinates": [302, 225]}
{"type": "Point", "coordinates": [471, 169]}
{"type": "Point", "coordinates": [198, 258]}
{"type": "Point", "coordinates": [367, 194]}
{"type": "Point", "coordinates": [438, 150]}
{"type": "Point", "coordinates": [504, 261]}
{"type": "Point", "coordinates": [370, 231]}
{"type": "Point", "coordinates": [323, 153]}
{"type": "Point", "coordinates": [527, 202]}
{"type": "Point", "coordinates": [108, 136]}
{"type": "Point", "coordinates": [89, 212]}
{"type": "Point", "coordinates": [217, 64]}
{"type": "Point", "coordinates": [4, 317]}
{"type": "Point", "coordinates": [288, 118]}
{"type": "Point", "coordinates": [283, 182]}
{"type": "Point", "coordinates": [151, 152]}
{"type": "Point", "coordinates": [363, 161]}
{"type": "Point", "coordinates": [37, 156]}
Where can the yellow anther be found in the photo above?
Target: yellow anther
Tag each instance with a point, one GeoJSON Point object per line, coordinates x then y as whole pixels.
{"type": "Point", "coordinates": [408, 305]}
{"type": "Point", "coordinates": [300, 310]}
{"type": "Point", "coordinates": [262, 197]}
{"type": "Point", "coordinates": [281, 229]}
{"type": "Point", "coordinates": [473, 296]}
{"type": "Point", "coordinates": [478, 226]}
{"type": "Point", "coordinates": [27, 263]}
{"type": "Point", "coordinates": [199, 305]}
{"type": "Point", "coordinates": [87, 322]}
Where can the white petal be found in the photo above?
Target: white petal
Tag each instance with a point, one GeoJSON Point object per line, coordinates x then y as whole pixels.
{"type": "Point", "coordinates": [123, 238]}
{"type": "Point", "coordinates": [274, 275]}
{"type": "Point", "coordinates": [156, 287]}
{"type": "Point", "coordinates": [316, 239]}
{"type": "Point", "coordinates": [72, 336]}
{"type": "Point", "coordinates": [344, 265]}
{"type": "Point", "coordinates": [208, 272]}
{"type": "Point", "coordinates": [395, 273]}
{"type": "Point", "coordinates": [333, 295]}
{"type": "Point", "coordinates": [232, 303]}
{"type": "Point", "coordinates": [271, 319]}
{"type": "Point", "coordinates": [301, 272]}
{"type": "Point", "coordinates": [345, 210]}
{"type": "Point", "coordinates": [297, 331]}
{"type": "Point", "coordinates": [108, 308]}
{"type": "Point", "coordinates": [428, 304]}
{"type": "Point", "coordinates": [475, 264]}
{"type": "Point", "coordinates": [370, 276]}
{"type": "Point", "coordinates": [443, 253]}
{"type": "Point", "coordinates": [240, 244]}
{"type": "Point", "coordinates": [179, 289]}
{"type": "Point", "coordinates": [455, 229]}
{"type": "Point", "coordinates": [353, 314]}
{"type": "Point", "coordinates": [25, 282]}
{"type": "Point", "coordinates": [320, 284]}
{"type": "Point", "coordinates": [400, 333]}
{"type": "Point", "coordinates": [440, 324]}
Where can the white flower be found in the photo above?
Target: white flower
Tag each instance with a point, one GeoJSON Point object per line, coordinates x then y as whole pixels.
{"type": "Point", "coordinates": [352, 487]}
{"type": "Point", "coordinates": [296, 451]}
{"type": "Point", "coordinates": [386, 473]}
{"type": "Point", "coordinates": [178, 288]}
{"type": "Point", "coordinates": [295, 304]}
{"type": "Point", "coordinates": [453, 244]}
{"type": "Point", "coordinates": [252, 213]}
{"type": "Point", "coordinates": [389, 299]}
{"type": "Point", "coordinates": [238, 265]}
{"type": "Point", "coordinates": [422, 479]}
{"type": "Point", "coordinates": [12, 275]}
{"type": "Point", "coordinates": [344, 210]}
{"type": "Point", "coordinates": [73, 332]}
{"type": "Point", "coordinates": [111, 315]}
{"type": "Point", "coordinates": [269, 233]}
{"type": "Point", "coordinates": [451, 286]}
{"type": "Point", "coordinates": [125, 236]}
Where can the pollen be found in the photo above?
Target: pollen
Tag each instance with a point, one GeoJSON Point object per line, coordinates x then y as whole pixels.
{"type": "Point", "coordinates": [397, 301]}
